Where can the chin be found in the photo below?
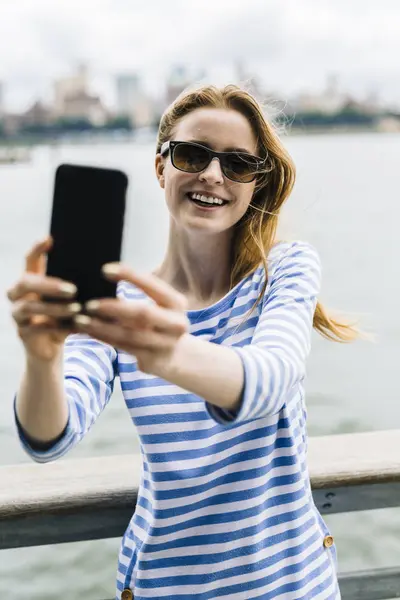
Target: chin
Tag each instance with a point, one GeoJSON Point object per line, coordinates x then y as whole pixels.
{"type": "Point", "coordinates": [207, 226]}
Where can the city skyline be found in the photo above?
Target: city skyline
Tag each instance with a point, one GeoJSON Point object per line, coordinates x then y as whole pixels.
{"type": "Point", "coordinates": [129, 91]}
{"type": "Point", "coordinates": [73, 97]}
{"type": "Point", "coordinates": [291, 47]}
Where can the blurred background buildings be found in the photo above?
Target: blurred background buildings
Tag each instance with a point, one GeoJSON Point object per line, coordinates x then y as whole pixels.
{"type": "Point", "coordinates": [76, 107]}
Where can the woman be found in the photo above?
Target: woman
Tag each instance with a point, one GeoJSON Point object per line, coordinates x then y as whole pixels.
{"type": "Point", "coordinates": [210, 350]}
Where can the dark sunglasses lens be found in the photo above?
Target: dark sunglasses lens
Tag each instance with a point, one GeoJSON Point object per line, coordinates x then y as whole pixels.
{"type": "Point", "coordinates": [189, 158]}
{"type": "Point", "coordinates": [240, 167]}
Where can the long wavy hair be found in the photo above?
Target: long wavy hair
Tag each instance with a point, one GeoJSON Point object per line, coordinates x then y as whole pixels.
{"type": "Point", "coordinates": [255, 233]}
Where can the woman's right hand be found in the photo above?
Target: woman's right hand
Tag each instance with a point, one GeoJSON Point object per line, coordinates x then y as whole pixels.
{"type": "Point", "coordinates": [36, 320]}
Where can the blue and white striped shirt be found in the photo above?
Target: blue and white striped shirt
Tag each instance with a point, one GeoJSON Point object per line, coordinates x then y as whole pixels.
{"type": "Point", "coordinates": [224, 508]}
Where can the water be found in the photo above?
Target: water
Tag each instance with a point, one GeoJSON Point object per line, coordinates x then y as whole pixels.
{"type": "Point", "coordinates": [345, 202]}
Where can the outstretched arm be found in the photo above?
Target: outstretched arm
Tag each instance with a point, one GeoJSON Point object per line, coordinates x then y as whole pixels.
{"type": "Point", "coordinates": [236, 382]}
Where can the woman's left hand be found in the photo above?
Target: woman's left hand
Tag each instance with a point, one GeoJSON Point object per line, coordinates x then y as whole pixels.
{"type": "Point", "coordinates": [148, 331]}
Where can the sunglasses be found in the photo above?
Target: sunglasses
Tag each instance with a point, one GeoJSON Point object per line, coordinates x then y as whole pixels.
{"type": "Point", "coordinates": [191, 157]}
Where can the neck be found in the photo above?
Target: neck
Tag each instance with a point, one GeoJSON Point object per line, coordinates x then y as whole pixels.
{"type": "Point", "coordinates": [197, 265]}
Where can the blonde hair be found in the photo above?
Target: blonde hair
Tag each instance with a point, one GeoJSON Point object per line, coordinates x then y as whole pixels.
{"type": "Point", "coordinates": [255, 232]}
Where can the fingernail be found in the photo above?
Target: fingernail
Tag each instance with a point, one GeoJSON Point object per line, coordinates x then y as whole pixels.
{"type": "Point", "coordinates": [82, 320]}
{"type": "Point", "coordinates": [75, 307]}
{"type": "Point", "coordinates": [111, 269]}
{"type": "Point", "coordinates": [68, 288]}
{"type": "Point", "coordinates": [92, 305]}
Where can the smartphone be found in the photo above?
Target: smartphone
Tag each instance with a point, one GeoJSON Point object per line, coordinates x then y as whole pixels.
{"type": "Point", "coordinates": [87, 224]}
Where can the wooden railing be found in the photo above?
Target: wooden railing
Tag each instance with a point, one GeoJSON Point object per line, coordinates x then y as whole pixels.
{"type": "Point", "coordinates": [96, 497]}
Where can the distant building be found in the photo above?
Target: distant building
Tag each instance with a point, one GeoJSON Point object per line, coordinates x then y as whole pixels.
{"type": "Point", "coordinates": [248, 80]}
{"type": "Point", "coordinates": [389, 124]}
{"type": "Point", "coordinates": [82, 105]}
{"type": "Point", "coordinates": [74, 85]}
{"type": "Point", "coordinates": [178, 80]}
{"type": "Point", "coordinates": [371, 103]}
{"type": "Point", "coordinates": [11, 123]}
{"type": "Point", "coordinates": [2, 110]}
{"type": "Point", "coordinates": [143, 113]}
{"type": "Point", "coordinates": [128, 93]}
{"type": "Point", "coordinates": [37, 115]}
{"type": "Point", "coordinates": [72, 99]}
{"type": "Point", "coordinates": [328, 102]}
{"type": "Point", "coordinates": [132, 102]}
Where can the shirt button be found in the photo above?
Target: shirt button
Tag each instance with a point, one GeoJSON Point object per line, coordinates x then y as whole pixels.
{"type": "Point", "coordinates": [127, 595]}
{"type": "Point", "coordinates": [328, 541]}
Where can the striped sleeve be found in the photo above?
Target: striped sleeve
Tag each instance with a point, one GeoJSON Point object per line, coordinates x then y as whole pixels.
{"type": "Point", "coordinates": [89, 375]}
{"type": "Point", "coordinates": [274, 361]}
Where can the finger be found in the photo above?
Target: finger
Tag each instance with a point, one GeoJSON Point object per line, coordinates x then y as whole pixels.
{"type": "Point", "coordinates": [140, 314]}
{"type": "Point", "coordinates": [118, 336]}
{"type": "Point", "coordinates": [25, 309]}
{"type": "Point", "coordinates": [34, 260]}
{"type": "Point", "coordinates": [41, 285]}
{"type": "Point", "coordinates": [35, 323]}
{"type": "Point", "coordinates": [159, 290]}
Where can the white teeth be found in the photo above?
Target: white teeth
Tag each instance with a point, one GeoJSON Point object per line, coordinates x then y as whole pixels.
{"type": "Point", "coordinates": [208, 199]}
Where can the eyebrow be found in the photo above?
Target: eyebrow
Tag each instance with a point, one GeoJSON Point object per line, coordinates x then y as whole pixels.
{"type": "Point", "coordinates": [230, 149]}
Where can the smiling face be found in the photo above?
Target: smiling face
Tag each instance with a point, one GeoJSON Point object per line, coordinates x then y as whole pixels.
{"type": "Point", "coordinates": [221, 130]}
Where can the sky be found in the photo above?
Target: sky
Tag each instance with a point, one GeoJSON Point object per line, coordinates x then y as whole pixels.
{"type": "Point", "coordinates": [291, 45]}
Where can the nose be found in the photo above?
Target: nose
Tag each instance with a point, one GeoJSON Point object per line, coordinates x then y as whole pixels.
{"type": "Point", "coordinates": [213, 173]}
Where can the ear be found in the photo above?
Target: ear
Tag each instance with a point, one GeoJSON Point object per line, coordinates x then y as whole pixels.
{"type": "Point", "coordinates": [160, 166]}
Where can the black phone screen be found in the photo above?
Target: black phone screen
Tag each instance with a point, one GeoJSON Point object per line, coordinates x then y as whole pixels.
{"type": "Point", "coordinates": [87, 227]}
